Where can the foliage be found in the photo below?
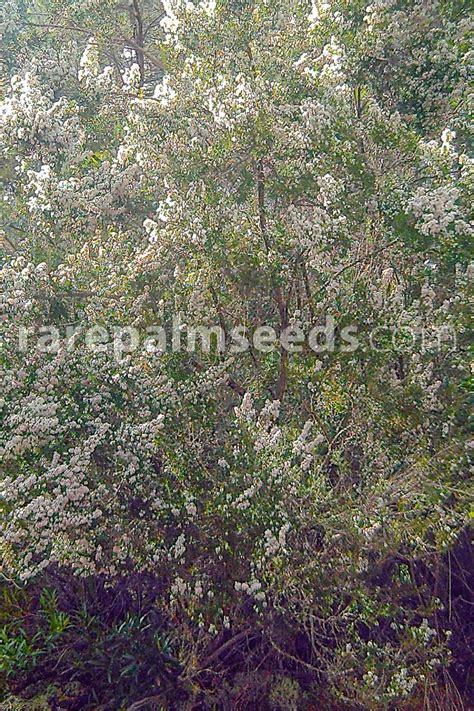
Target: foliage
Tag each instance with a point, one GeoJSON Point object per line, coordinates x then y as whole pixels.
{"type": "Point", "coordinates": [235, 164]}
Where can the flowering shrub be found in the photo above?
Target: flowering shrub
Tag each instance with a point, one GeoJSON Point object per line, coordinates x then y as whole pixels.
{"type": "Point", "coordinates": [240, 165]}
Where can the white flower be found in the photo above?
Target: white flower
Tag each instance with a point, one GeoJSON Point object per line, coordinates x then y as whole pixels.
{"type": "Point", "coordinates": [89, 66]}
